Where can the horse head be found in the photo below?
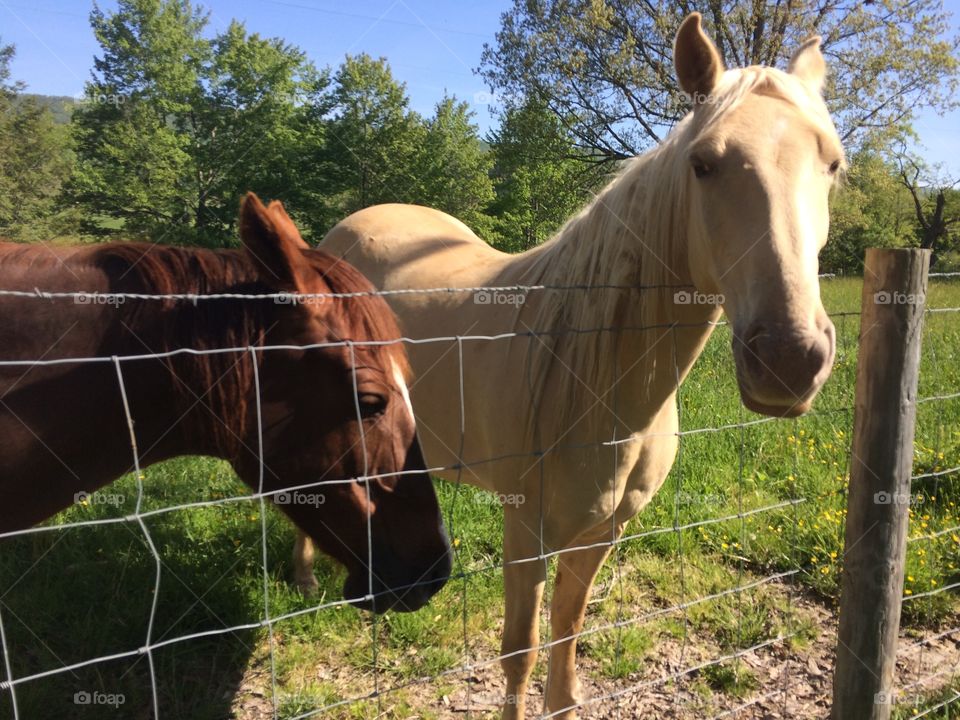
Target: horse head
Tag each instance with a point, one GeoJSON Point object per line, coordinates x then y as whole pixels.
{"type": "Point", "coordinates": [340, 453]}
{"type": "Point", "coordinates": [761, 157]}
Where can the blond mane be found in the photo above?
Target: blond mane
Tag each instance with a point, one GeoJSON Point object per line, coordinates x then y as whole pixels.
{"type": "Point", "coordinates": [630, 240]}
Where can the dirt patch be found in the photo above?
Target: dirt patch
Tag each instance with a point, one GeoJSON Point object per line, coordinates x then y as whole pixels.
{"type": "Point", "coordinates": [788, 680]}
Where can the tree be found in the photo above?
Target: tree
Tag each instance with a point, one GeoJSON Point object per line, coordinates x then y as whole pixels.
{"type": "Point", "coordinates": [936, 203]}
{"type": "Point", "coordinates": [8, 89]}
{"type": "Point", "coordinates": [604, 67]}
{"type": "Point", "coordinates": [132, 128]}
{"type": "Point", "coordinates": [541, 178]}
{"type": "Point", "coordinates": [372, 138]}
{"type": "Point", "coordinates": [453, 169]}
{"type": "Point", "coordinates": [251, 128]}
{"type": "Point", "coordinates": [34, 161]}
{"type": "Point", "coordinates": [869, 209]}
{"type": "Point", "coordinates": [175, 127]}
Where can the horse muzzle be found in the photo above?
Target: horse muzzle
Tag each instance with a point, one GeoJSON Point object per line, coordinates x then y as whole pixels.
{"type": "Point", "coordinates": [384, 590]}
{"type": "Point", "coordinates": [780, 369]}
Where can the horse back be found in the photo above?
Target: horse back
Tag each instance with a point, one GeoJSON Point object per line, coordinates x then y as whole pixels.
{"type": "Point", "coordinates": [409, 246]}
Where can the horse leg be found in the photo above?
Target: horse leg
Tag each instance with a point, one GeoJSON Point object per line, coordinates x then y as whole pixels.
{"type": "Point", "coordinates": [303, 554]}
{"type": "Point", "coordinates": [576, 571]}
{"type": "Point", "coordinates": [523, 589]}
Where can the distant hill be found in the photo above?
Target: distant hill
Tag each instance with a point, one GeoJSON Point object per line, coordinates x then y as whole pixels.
{"type": "Point", "coordinates": [60, 105]}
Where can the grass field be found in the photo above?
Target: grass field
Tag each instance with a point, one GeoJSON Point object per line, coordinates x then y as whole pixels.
{"type": "Point", "coordinates": [68, 596]}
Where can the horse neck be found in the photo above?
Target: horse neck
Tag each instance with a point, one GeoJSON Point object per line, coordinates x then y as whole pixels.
{"type": "Point", "coordinates": [214, 393]}
{"type": "Point", "coordinates": [204, 399]}
{"type": "Point", "coordinates": [632, 236]}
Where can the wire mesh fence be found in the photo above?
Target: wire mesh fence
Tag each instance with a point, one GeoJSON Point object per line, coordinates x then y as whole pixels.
{"type": "Point", "coordinates": [931, 658]}
{"type": "Point", "coordinates": [711, 585]}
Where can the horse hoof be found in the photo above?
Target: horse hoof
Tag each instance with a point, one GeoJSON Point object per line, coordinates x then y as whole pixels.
{"type": "Point", "coordinates": [309, 588]}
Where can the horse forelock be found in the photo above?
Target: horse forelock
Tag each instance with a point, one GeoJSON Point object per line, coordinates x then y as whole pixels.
{"type": "Point", "coordinates": [739, 84]}
{"type": "Point", "coordinates": [364, 317]}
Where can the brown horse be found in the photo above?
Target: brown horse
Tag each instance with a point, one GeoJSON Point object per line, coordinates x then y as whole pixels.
{"type": "Point", "coordinates": [330, 437]}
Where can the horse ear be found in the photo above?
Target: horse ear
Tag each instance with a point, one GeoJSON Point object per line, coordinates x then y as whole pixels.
{"type": "Point", "coordinates": [274, 245]}
{"type": "Point", "coordinates": [808, 64]}
{"type": "Point", "coordinates": [696, 60]}
{"type": "Point", "coordinates": [286, 223]}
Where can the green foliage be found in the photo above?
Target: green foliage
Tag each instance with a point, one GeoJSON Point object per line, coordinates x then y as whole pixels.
{"type": "Point", "coordinates": [373, 138]}
{"type": "Point", "coordinates": [8, 89]}
{"type": "Point", "coordinates": [454, 167]}
{"type": "Point", "coordinates": [607, 62]}
{"type": "Point", "coordinates": [131, 128]}
{"type": "Point", "coordinates": [732, 678]}
{"type": "Point", "coordinates": [870, 208]}
{"type": "Point", "coordinates": [34, 162]}
{"type": "Point", "coordinates": [895, 202]}
{"type": "Point", "coordinates": [379, 151]}
{"type": "Point", "coordinates": [541, 177]}
{"type": "Point", "coordinates": [936, 206]}
{"type": "Point", "coordinates": [175, 127]}
{"type": "Point", "coordinates": [176, 124]}
{"type": "Point", "coordinates": [253, 128]}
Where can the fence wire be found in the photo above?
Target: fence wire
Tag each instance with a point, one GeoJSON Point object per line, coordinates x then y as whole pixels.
{"type": "Point", "coordinates": [464, 570]}
{"type": "Point", "coordinates": [932, 662]}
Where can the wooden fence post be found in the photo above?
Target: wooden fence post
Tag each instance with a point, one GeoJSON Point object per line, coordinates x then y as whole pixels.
{"type": "Point", "coordinates": [878, 503]}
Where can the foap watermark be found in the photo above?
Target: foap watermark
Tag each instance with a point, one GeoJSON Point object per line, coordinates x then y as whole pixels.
{"type": "Point", "coordinates": [499, 98]}
{"type": "Point", "coordinates": [695, 297]}
{"type": "Point", "coordinates": [887, 297]}
{"type": "Point", "coordinates": [285, 298]}
{"type": "Point", "coordinates": [886, 498]}
{"type": "Point", "coordinates": [494, 699]}
{"type": "Point", "coordinates": [895, 698]}
{"type": "Point", "coordinates": [85, 697]}
{"type": "Point", "coordinates": [502, 499]}
{"type": "Point", "coordinates": [498, 297]}
{"type": "Point", "coordinates": [687, 498]}
{"type": "Point", "coordinates": [98, 498]}
{"type": "Point", "coordinates": [699, 98]}
{"type": "Point", "coordinates": [295, 497]}
{"type": "Point", "coordinates": [682, 102]}
{"type": "Point", "coordinates": [99, 98]}
{"type": "Point", "coordinates": [98, 299]}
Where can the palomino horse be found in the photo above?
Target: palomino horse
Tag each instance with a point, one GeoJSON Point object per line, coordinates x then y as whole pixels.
{"type": "Point", "coordinates": [329, 413]}
{"type": "Point", "coordinates": [732, 204]}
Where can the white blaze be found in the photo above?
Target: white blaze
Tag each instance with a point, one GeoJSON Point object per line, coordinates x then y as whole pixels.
{"type": "Point", "coordinates": [401, 383]}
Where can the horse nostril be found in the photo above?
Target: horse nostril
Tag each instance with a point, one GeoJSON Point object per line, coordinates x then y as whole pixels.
{"type": "Point", "coordinates": [759, 342]}
{"type": "Point", "coordinates": [756, 331]}
{"type": "Point", "coordinates": [830, 339]}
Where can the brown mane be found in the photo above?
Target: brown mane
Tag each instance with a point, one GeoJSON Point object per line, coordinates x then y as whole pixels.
{"type": "Point", "coordinates": [149, 269]}
{"type": "Point", "coordinates": [228, 322]}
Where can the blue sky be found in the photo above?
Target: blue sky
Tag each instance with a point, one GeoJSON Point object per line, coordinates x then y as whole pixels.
{"type": "Point", "coordinates": [432, 45]}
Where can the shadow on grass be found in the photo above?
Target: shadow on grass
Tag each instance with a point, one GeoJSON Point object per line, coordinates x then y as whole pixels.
{"type": "Point", "coordinates": [73, 595]}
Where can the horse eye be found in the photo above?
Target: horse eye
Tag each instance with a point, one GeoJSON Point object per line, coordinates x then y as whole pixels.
{"type": "Point", "coordinates": [701, 169]}
{"type": "Point", "coordinates": [834, 167]}
{"type": "Point", "coordinates": [371, 404]}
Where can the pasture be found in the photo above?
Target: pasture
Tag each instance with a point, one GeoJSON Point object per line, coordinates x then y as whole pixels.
{"type": "Point", "coordinates": [665, 602]}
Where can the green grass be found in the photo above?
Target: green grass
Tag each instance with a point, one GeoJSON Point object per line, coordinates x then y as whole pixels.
{"type": "Point", "coordinates": [730, 679]}
{"type": "Point", "coordinates": [66, 597]}
{"type": "Point", "coordinates": [939, 705]}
